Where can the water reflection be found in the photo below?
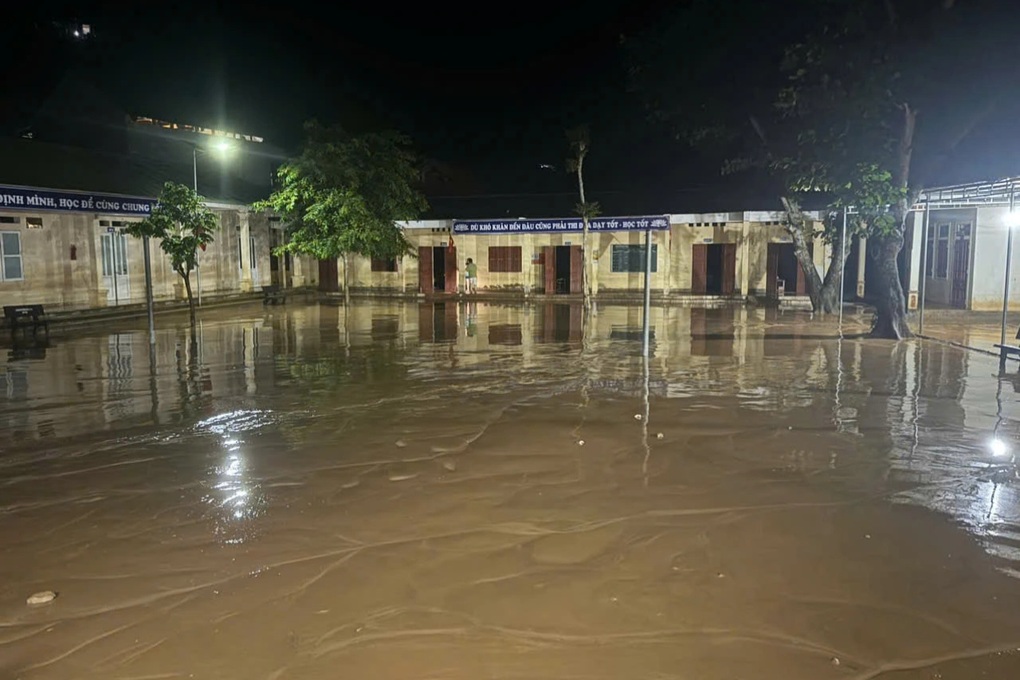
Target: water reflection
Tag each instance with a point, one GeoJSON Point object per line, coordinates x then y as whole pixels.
{"type": "Point", "coordinates": [410, 472]}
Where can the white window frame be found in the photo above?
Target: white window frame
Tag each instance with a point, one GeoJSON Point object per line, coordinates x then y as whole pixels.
{"type": "Point", "coordinates": [4, 256]}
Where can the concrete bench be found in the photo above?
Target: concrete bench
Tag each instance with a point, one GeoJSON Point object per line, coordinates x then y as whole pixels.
{"type": "Point", "coordinates": [24, 316]}
{"type": "Point", "coordinates": [273, 295]}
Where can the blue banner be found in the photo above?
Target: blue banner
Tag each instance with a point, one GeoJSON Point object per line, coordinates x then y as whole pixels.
{"type": "Point", "coordinates": [568, 224]}
{"type": "Point", "coordinates": [28, 198]}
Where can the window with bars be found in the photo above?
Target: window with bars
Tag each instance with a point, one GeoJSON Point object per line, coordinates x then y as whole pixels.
{"type": "Point", "coordinates": [504, 259]}
{"type": "Point", "coordinates": [627, 258]}
{"type": "Point", "coordinates": [384, 264]}
{"type": "Point", "coordinates": [942, 252]}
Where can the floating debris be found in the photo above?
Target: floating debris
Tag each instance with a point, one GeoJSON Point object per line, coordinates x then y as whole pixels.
{"type": "Point", "coordinates": [637, 416]}
{"type": "Point", "coordinates": [402, 478]}
{"type": "Point", "coordinates": [660, 436]}
{"type": "Point", "coordinates": [43, 597]}
{"type": "Point", "coordinates": [449, 465]}
{"type": "Point", "coordinates": [580, 442]}
{"type": "Point", "coordinates": [400, 443]}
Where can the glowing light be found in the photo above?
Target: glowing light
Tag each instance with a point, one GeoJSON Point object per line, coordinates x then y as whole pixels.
{"type": "Point", "coordinates": [1013, 219]}
{"type": "Point", "coordinates": [223, 146]}
{"type": "Point", "coordinates": [998, 447]}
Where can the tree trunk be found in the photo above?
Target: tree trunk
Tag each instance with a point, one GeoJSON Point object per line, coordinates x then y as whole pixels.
{"type": "Point", "coordinates": [191, 300]}
{"type": "Point", "coordinates": [832, 287]}
{"type": "Point", "coordinates": [347, 286]}
{"type": "Point", "coordinates": [585, 278]}
{"type": "Point", "coordinates": [802, 234]}
{"type": "Point", "coordinates": [890, 307]}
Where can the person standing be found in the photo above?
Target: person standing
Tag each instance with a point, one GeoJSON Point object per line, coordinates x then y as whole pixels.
{"type": "Point", "coordinates": [471, 276]}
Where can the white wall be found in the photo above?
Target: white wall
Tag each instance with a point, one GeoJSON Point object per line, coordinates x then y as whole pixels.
{"type": "Point", "coordinates": [989, 264]}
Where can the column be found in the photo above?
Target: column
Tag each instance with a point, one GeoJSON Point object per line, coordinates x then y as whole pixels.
{"type": "Point", "coordinates": [744, 248]}
{"type": "Point", "coordinates": [247, 285]}
{"type": "Point", "coordinates": [916, 268]}
{"type": "Point", "coordinates": [862, 262]}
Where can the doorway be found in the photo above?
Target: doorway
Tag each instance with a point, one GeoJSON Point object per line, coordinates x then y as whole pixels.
{"type": "Point", "coordinates": [563, 267]}
{"type": "Point", "coordinates": [961, 265]}
{"type": "Point", "coordinates": [783, 272]}
{"type": "Point", "coordinates": [115, 266]}
{"type": "Point", "coordinates": [329, 276]}
{"type": "Point", "coordinates": [437, 269]}
{"type": "Point", "coordinates": [714, 268]}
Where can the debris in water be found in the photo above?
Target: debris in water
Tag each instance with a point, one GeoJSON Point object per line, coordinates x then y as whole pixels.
{"type": "Point", "coordinates": [402, 478]}
{"type": "Point", "coordinates": [449, 465]}
{"type": "Point", "coordinates": [835, 661]}
{"type": "Point", "coordinates": [400, 443]}
{"type": "Point", "coordinates": [660, 436]}
{"type": "Point", "coordinates": [637, 416]}
{"type": "Point", "coordinates": [867, 535]}
{"type": "Point", "coordinates": [580, 443]}
{"type": "Point", "coordinates": [42, 597]}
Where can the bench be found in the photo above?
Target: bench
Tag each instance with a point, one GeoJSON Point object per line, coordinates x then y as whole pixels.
{"type": "Point", "coordinates": [24, 316]}
{"type": "Point", "coordinates": [273, 294]}
{"type": "Point", "coordinates": [1005, 351]}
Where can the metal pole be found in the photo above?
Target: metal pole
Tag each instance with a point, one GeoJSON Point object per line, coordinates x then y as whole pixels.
{"type": "Point", "coordinates": [148, 291]}
{"type": "Point", "coordinates": [842, 270]}
{"type": "Point", "coordinates": [924, 270]}
{"type": "Point", "coordinates": [114, 243]}
{"type": "Point", "coordinates": [648, 292]}
{"type": "Point", "coordinates": [1009, 260]}
{"type": "Point", "coordinates": [198, 256]}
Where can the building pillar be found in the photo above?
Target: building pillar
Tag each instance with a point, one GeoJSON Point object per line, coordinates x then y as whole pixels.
{"type": "Point", "coordinates": [247, 284]}
{"type": "Point", "coordinates": [745, 258]}
{"type": "Point", "coordinates": [862, 261]}
{"type": "Point", "coordinates": [916, 267]}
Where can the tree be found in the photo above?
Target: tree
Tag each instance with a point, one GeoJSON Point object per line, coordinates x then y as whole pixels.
{"type": "Point", "coordinates": [580, 143]}
{"type": "Point", "coordinates": [344, 194]}
{"type": "Point", "coordinates": [871, 100]}
{"type": "Point", "coordinates": [182, 224]}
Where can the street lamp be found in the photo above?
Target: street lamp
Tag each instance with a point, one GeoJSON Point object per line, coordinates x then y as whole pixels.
{"type": "Point", "coordinates": [223, 148]}
{"type": "Point", "coordinates": [1012, 221]}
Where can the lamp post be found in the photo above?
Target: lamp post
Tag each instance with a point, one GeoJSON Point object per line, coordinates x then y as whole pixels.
{"type": "Point", "coordinates": [1011, 223]}
{"type": "Point", "coordinates": [223, 147]}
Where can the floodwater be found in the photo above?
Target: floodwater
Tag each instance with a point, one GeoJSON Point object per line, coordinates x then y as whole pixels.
{"type": "Point", "coordinates": [402, 492]}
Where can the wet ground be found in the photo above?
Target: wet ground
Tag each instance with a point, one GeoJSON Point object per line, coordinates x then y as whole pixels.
{"type": "Point", "coordinates": [468, 491]}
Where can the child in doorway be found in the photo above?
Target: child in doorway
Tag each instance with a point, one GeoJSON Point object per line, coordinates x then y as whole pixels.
{"type": "Point", "coordinates": [471, 276]}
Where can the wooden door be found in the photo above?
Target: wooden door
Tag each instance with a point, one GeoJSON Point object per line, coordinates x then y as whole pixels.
{"type": "Point", "coordinates": [961, 265]}
{"type": "Point", "coordinates": [425, 283]}
{"type": "Point", "coordinates": [549, 254]}
{"type": "Point", "coordinates": [576, 269]}
{"type": "Point", "coordinates": [329, 276]}
{"type": "Point", "coordinates": [729, 268]}
{"type": "Point", "coordinates": [699, 269]}
{"type": "Point", "coordinates": [772, 272]}
{"type": "Point", "coordinates": [450, 269]}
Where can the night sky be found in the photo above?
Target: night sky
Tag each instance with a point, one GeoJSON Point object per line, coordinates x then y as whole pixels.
{"type": "Point", "coordinates": [487, 89]}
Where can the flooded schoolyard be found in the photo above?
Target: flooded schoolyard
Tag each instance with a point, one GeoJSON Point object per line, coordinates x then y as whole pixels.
{"type": "Point", "coordinates": [467, 491]}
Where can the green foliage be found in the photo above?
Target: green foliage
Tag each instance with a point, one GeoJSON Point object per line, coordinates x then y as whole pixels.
{"type": "Point", "coordinates": [182, 224]}
{"type": "Point", "coordinates": [345, 194]}
{"type": "Point", "coordinates": [588, 210]}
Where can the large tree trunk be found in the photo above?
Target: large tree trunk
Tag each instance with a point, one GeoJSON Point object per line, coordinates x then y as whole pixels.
{"type": "Point", "coordinates": [186, 275]}
{"type": "Point", "coordinates": [890, 306]}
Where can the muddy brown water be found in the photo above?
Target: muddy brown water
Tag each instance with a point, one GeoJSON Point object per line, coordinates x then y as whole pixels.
{"type": "Point", "coordinates": [400, 492]}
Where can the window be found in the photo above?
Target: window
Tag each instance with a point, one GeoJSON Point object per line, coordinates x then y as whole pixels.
{"type": "Point", "coordinates": [7, 219]}
{"type": "Point", "coordinates": [34, 222]}
{"type": "Point", "coordinates": [632, 258]}
{"type": "Point", "coordinates": [384, 264]}
{"type": "Point", "coordinates": [10, 256]}
{"type": "Point", "coordinates": [240, 252]}
{"type": "Point", "coordinates": [929, 257]}
{"type": "Point", "coordinates": [942, 252]}
{"type": "Point", "coordinates": [504, 259]}
{"type": "Point", "coordinates": [253, 257]}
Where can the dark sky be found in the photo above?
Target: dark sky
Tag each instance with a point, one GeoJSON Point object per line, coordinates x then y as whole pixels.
{"type": "Point", "coordinates": [486, 87]}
